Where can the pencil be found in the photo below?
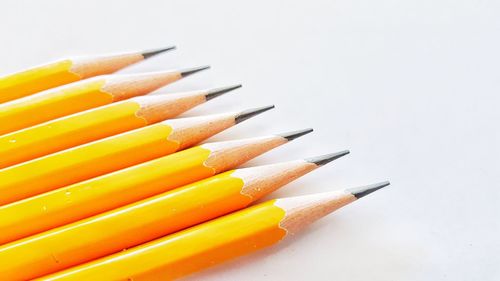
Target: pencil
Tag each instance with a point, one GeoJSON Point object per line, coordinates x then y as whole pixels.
{"type": "Point", "coordinates": [95, 159]}
{"type": "Point", "coordinates": [216, 241]}
{"type": "Point", "coordinates": [66, 71]}
{"type": "Point", "coordinates": [105, 121]}
{"type": "Point", "coordinates": [83, 95]}
{"type": "Point", "coordinates": [149, 219]}
{"type": "Point", "coordinates": [91, 197]}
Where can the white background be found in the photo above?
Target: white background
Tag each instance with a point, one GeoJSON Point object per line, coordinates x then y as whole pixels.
{"type": "Point", "coordinates": [410, 87]}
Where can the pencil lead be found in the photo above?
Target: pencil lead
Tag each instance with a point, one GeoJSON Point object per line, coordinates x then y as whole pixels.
{"type": "Point", "coordinates": [154, 52]}
{"type": "Point", "coordinates": [249, 113]}
{"type": "Point", "coordinates": [325, 159]}
{"type": "Point", "coordinates": [189, 71]}
{"type": "Point", "coordinates": [295, 134]}
{"type": "Point", "coordinates": [213, 93]}
{"type": "Point", "coordinates": [362, 191]}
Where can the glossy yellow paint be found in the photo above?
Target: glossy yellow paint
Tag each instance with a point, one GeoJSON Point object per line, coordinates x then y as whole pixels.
{"type": "Point", "coordinates": [64, 133]}
{"type": "Point", "coordinates": [123, 228]}
{"type": "Point", "coordinates": [104, 193]}
{"type": "Point", "coordinates": [187, 251]}
{"type": "Point", "coordinates": [88, 161]}
{"type": "Point", "coordinates": [42, 107]}
{"type": "Point", "coordinates": [36, 79]}
{"type": "Point", "coordinates": [76, 165]}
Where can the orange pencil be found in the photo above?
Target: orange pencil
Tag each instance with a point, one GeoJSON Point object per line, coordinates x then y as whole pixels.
{"type": "Point", "coordinates": [81, 200]}
{"type": "Point", "coordinates": [98, 158]}
{"type": "Point", "coordinates": [149, 219]}
{"type": "Point", "coordinates": [66, 71]}
{"type": "Point", "coordinates": [91, 125]}
{"type": "Point", "coordinates": [214, 242]}
{"type": "Point", "coordinates": [83, 95]}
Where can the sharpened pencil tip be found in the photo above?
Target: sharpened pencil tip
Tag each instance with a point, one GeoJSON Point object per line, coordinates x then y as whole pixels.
{"type": "Point", "coordinates": [325, 159]}
{"type": "Point", "coordinates": [247, 114]}
{"type": "Point", "coordinates": [151, 53]}
{"type": "Point", "coordinates": [362, 191]}
{"type": "Point", "coordinates": [213, 93]}
{"type": "Point", "coordinates": [189, 71]}
{"type": "Point", "coordinates": [295, 134]}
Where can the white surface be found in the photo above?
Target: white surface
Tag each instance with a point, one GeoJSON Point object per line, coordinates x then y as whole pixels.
{"type": "Point", "coordinates": [411, 87]}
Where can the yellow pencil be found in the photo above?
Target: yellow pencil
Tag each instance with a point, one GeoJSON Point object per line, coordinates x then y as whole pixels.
{"type": "Point", "coordinates": [101, 122]}
{"type": "Point", "coordinates": [110, 191]}
{"type": "Point", "coordinates": [66, 71]}
{"type": "Point", "coordinates": [149, 219]}
{"type": "Point", "coordinates": [214, 242]}
{"type": "Point", "coordinates": [83, 95]}
{"type": "Point", "coordinates": [98, 158]}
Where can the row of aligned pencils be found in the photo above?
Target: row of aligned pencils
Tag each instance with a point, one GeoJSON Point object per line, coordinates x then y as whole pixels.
{"type": "Point", "coordinates": [89, 167]}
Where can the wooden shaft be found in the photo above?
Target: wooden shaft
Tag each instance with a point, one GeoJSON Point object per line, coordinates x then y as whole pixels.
{"type": "Point", "coordinates": [86, 67]}
{"type": "Point", "coordinates": [263, 180]}
{"type": "Point", "coordinates": [300, 211]}
{"type": "Point", "coordinates": [190, 131]}
{"type": "Point", "coordinates": [157, 108]}
{"type": "Point", "coordinates": [126, 86]}
{"type": "Point", "coordinates": [225, 155]}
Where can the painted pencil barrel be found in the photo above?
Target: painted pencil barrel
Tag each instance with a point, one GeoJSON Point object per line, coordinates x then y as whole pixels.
{"type": "Point", "coordinates": [188, 251]}
{"type": "Point", "coordinates": [85, 162]}
{"type": "Point", "coordinates": [91, 197]}
{"type": "Point", "coordinates": [82, 200]}
{"type": "Point", "coordinates": [96, 159]}
{"type": "Point", "coordinates": [134, 224]}
{"type": "Point", "coordinates": [216, 241]}
{"type": "Point", "coordinates": [80, 96]}
{"type": "Point", "coordinates": [36, 79]}
{"type": "Point", "coordinates": [91, 125]}
{"type": "Point", "coordinates": [64, 133]}
{"type": "Point", "coordinates": [35, 109]}
{"type": "Point", "coordinates": [50, 75]}
{"type": "Point", "coordinates": [15, 219]}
